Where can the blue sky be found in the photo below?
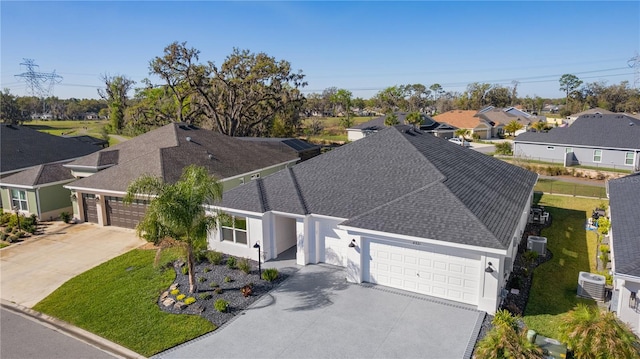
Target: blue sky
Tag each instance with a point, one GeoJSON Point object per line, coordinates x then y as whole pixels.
{"type": "Point", "coordinates": [362, 46]}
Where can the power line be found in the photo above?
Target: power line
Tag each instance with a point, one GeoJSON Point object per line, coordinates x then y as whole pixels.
{"type": "Point", "coordinates": [40, 84]}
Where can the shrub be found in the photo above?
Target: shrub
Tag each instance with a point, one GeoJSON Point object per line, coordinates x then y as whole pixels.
{"type": "Point", "coordinates": [180, 296]}
{"type": "Point", "coordinates": [515, 282]}
{"type": "Point", "coordinates": [244, 265]}
{"type": "Point", "coordinates": [270, 274]}
{"type": "Point", "coordinates": [221, 305]}
{"type": "Point", "coordinates": [184, 270]}
{"type": "Point", "coordinates": [504, 148]}
{"type": "Point", "coordinates": [231, 262]}
{"type": "Point", "coordinates": [5, 218]}
{"type": "Point", "coordinates": [204, 296]}
{"type": "Point", "coordinates": [65, 216]}
{"type": "Point", "coordinates": [12, 238]}
{"type": "Point", "coordinates": [246, 290]}
{"type": "Point", "coordinates": [175, 292]}
{"type": "Point", "coordinates": [201, 279]}
{"type": "Point", "coordinates": [228, 279]}
{"type": "Point", "coordinates": [213, 285]}
{"type": "Point", "coordinates": [214, 257]}
{"type": "Point", "coordinates": [199, 255]}
{"type": "Point", "coordinates": [218, 291]}
{"type": "Point", "coordinates": [189, 300]}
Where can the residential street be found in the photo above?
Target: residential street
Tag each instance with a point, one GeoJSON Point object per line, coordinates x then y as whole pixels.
{"type": "Point", "coordinates": [22, 337]}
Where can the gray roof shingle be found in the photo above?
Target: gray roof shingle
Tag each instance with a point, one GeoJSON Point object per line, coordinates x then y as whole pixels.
{"type": "Point", "coordinates": [624, 199]}
{"type": "Point", "coordinates": [22, 147]}
{"type": "Point", "coordinates": [166, 151]}
{"type": "Point", "coordinates": [607, 131]}
{"type": "Point", "coordinates": [402, 181]}
{"type": "Point", "coordinates": [39, 175]}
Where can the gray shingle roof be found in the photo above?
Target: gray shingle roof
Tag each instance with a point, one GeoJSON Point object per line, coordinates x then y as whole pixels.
{"type": "Point", "coordinates": [401, 181]}
{"type": "Point", "coordinates": [165, 152]}
{"type": "Point", "coordinates": [23, 147]}
{"type": "Point", "coordinates": [607, 131]}
{"type": "Point", "coordinates": [624, 199]}
{"type": "Point", "coordinates": [39, 175]}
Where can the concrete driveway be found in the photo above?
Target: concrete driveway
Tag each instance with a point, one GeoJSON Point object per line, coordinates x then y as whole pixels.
{"type": "Point", "coordinates": [31, 270]}
{"type": "Point", "coordinates": [316, 314]}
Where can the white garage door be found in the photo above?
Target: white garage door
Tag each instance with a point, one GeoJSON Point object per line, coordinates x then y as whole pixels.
{"type": "Point", "coordinates": [429, 272]}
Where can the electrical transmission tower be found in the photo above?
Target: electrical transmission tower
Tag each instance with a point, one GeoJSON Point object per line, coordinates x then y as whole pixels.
{"type": "Point", "coordinates": [40, 84]}
{"type": "Point", "coordinates": [634, 63]}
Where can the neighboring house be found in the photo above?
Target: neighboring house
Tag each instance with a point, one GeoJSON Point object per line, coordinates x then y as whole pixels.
{"type": "Point", "coordinates": [624, 208]}
{"type": "Point", "coordinates": [594, 111]}
{"type": "Point", "coordinates": [467, 119]}
{"type": "Point", "coordinates": [377, 124]}
{"type": "Point", "coordinates": [402, 209]}
{"type": "Point", "coordinates": [164, 152]}
{"type": "Point", "coordinates": [31, 175]}
{"type": "Point", "coordinates": [608, 141]}
{"type": "Point", "coordinates": [499, 118]}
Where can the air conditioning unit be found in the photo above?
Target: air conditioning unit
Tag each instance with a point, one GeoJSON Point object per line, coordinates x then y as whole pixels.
{"type": "Point", "coordinates": [591, 285]}
{"type": "Point", "coordinates": [537, 244]}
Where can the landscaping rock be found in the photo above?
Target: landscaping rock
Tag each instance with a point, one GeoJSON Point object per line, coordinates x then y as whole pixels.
{"type": "Point", "coordinates": [174, 286]}
{"type": "Point", "coordinates": [168, 302]}
{"type": "Point", "coordinates": [164, 295]}
{"type": "Point", "coordinates": [198, 308]}
{"type": "Point", "coordinates": [179, 305]}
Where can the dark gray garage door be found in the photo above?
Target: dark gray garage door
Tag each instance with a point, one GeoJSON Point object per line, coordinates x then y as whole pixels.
{"type": "Point", "coordinates": [90, 208]}
{"type": "Point", "coordinates": [124, 215]}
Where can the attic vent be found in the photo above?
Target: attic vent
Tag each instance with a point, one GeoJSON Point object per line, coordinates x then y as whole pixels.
{"type": "Point", "coordinates": [188, 139]}
{"type": "Point", "coordinates": [630, 123]}
{"type": "Point", "coordinates": [210, 156]}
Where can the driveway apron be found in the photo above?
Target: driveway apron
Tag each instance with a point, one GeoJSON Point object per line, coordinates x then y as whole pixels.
{"type": "Point", "coordinates": [31, 270]}
{"type": "Point", "coordinates": [317, 314]}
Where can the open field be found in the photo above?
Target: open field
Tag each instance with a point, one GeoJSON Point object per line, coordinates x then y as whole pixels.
{"type": "Point", "coordinates": [332, 129]}
{"type": "Point", "coordinates": [554, 288]}
{"type": "Point", "coordinates": [72, 128]}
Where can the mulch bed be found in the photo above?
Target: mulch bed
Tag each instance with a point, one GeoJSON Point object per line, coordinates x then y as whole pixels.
{"type": "Point", "coordinates": [229, 291]}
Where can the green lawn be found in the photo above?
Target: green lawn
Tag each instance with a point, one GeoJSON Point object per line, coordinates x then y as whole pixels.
{"type": "Point", "coordinates": [555, 282]}
{"type": "Point", "coordinates": [560, 187]}
{"type": "Point", "coordinates": [72, 128]}
{"type": "Point", "coordinates": [332, 128]}
{"type": "Point", "coordinates": [117, 300]}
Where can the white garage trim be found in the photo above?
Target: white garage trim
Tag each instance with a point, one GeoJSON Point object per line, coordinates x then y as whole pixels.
{"type": "Point", "coordinates": [371, 233]}
{"type": "Point", "coordinates": [427, 269]}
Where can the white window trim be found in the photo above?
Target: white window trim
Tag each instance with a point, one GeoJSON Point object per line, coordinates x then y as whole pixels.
{"type": "Point", "coordinates": [594, 156]}
{"type": "Point", "coordinates": [19, 200]}
{"type": "Point", "coordinates": [234, 230]}
{"type": "Point", "coordinates": [631, 160]}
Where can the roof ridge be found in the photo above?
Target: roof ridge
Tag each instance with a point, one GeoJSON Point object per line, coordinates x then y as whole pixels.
{"type": "Point", "coordinates": [264, 204]}
{"type": "Point", "coordinates": [305, 208]}
{"type": "Point", "coordinates": [39, 173]}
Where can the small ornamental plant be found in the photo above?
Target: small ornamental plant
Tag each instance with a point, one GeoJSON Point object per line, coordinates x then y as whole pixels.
{"type": "Point", "coordinates": [204, 296]}
{"type": "Point", "coordinates": [231, 262]}
{"type": "Point", "coordinates": [185, 270]}
{"type": "Point", "coordinates": [228, 279]}
{"type": "Point", "coordinates": [270, 274]}
{"type": "Point", "coordinates": [246, 290]}
{"type": "Point", "coordinates": [201, 279]}
{"type": "Point", "coordinates": [207, 269]}
{"type": "Point", "coordinates": [189, 300]}
{"type": "Point", "coordinates": [221, 305]}
{"type": "Point", "coordinates": [180, 296]}
{"type": "Point", "coordinates": [214, 257]}
{"type": "Point", "coordinates": [175, 292]}
{"type": "Point", "coordinates": [244, 265]}
{"type": "Point", "coordinates": [213, 285]}
{"type": "Point", "coordinates": [218, 291]}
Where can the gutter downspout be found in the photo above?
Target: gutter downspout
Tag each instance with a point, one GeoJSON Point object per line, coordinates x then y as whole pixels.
{"type": "Point", "coordinates": [38, 202]}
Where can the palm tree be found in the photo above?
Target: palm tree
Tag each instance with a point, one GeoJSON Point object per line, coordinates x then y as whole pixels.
{"type": "Point", "coordinates": [462, 133]}
{"type": "Point", "coordinates": [415, 119]}
{"type": "Point", "coordinates": [176, 211]}
{"type": "Point", "coordinates": [539, 126]}
{"type": "Point", "coordinates": [507, 340]}
{"type": "Point", "coordinates": [512, 127]}
{"type": "Point", "coordinates": [592, 333]}
{"type": "Point", "coordinates": [391, 119]}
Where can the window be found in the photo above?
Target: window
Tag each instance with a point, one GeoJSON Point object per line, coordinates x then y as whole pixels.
{"type": "Point", "coordinates": [597, 155]}
{"type": "Point", "coordinates": [19, 200]}
{"type": "Point", "coordinates": [628, 158]}
{"type": "Point", "coordinates": [568, 150]}
{"type": "Point", "coordinates": [234, 229]}
{"type": "Point", "coordinates": [551, 148]}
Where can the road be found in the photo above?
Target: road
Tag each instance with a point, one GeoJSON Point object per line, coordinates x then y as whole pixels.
{"type": "Point", "coordinates": [22, 337]}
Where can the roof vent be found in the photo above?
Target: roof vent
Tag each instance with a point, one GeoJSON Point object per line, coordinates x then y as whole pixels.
{"type": "Point", "coordinates": [630, 123]}
{"type": "Point", "coordinates": [188, 139]}
{"type": "Point", "coordinates": [210, 156]}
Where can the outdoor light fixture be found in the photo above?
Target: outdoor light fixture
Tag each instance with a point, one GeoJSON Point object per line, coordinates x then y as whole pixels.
{"type": "Point", "coordinates": [352, 244]}
{"type": "Point", "coordinates": [257, 245]}
{"type": "Point", "coordinates": [489, 269]}
{"type": "Point", "coordinates": [17, 209]}
{"type": "Point", "coordinates": [633, 300]}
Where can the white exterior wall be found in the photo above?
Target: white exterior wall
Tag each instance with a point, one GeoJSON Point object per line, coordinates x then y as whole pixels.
{"type": "Point", "coordinates": [257, 226]}
{"type": "Point", "coordinates": [626, 314]}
